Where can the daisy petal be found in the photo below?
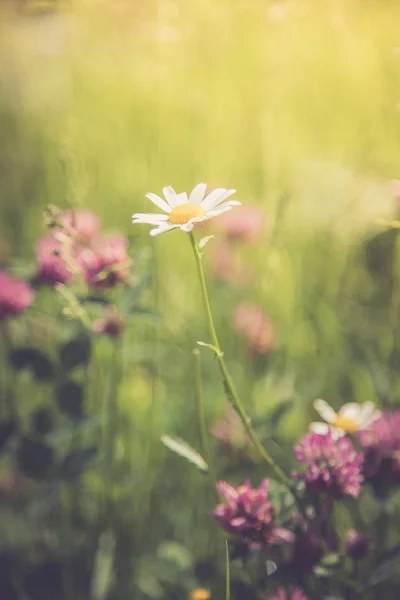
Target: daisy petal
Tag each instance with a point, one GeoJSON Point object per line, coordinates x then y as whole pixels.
{"type": "Point", "coordinates": [150, 219]}
{"type": "Point", "coordinates": [324, 410]}
{"type": "Point", "coordinates": [181, 198]}
{"type": "Point", "coordinates": [220, 209]}
{"type": "Point", "coordinates": [171, 196]}
{"type": "Point", "coordinates": [351, 410]}
{"type": "Point", "coordinates": [187, 226]}
{"type": "Point", "coordinates": [320, 428]}
{"type": "Point", "coordinates": [213, 197]}
{"type": "Point", "coordinates": [197, 193]}
{"type": "Point", "coordinates": [216, 197]}
{"type": "Point", "coordinates": [160, 216]}
{"type": "Point", "coordinates": [369, 413]}
{"type": "Point", "coordinates": [162, 229]}
{"type": "Point", "coordinates": [159, 202]}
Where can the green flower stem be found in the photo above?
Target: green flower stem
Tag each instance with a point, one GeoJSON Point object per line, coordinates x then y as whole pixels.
{"type": "Point", "coordinates": [112, 417]}
{"type": "Point", "coordinates": [201, 418]}
{"type": "Point", "coordinates": [280, 475]}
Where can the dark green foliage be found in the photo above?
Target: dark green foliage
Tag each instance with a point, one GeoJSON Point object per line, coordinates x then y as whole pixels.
{"type": "Point", "coordinates": [42, 421]}
{"type": "Point", "coordinates": [75, 353]}
{"type": "Point", "coordinates": [34, 458]}
{"type": "Point", "coordinates": [76, 462]}
{"type": "Point", "coordinates": [7, 429]}
{"type": "Point", "coordinates": [385, 567]}
{"type": "Point", "coordinates": [70, 399]}
{"type": "Point", "coordinates": [36, 361]}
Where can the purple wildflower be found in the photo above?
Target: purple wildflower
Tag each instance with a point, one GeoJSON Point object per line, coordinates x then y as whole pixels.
{"type": "Point", "coordinates": [81, 224]}
{"type": "Point", "coordinates": [249, 514]}
{"type": "Point", "coordinates": [281, 594]}
{"type": "Point", "coordinates": [357, 545]}
{"type": "Point", "coordinates": [111, 325]}
{"type": "Point", "coordinates": [381, 444]}
{"type": "Point", "coordinates": [16, 295]}
{"type": "Point", "coordinates": [106, 262]}
{"type": "Point", "coordinates": [52, 265]}
{"type": "Point", "coordinates": [334, 466]}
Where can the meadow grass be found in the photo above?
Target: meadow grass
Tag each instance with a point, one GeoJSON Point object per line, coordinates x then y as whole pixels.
{"type": "Point", "coordinates": [106, 101]}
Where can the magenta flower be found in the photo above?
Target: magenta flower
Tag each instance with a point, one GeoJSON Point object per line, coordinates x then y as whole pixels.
{"type": "Point", "coordinates": [52, 264]}
{"type": "Point", "coordinates": [381, 444]}
{"type": "Point", "coordinates": [82, 225]}
{"type": "Point", "coordinates": [16, 295]}
{"type": "Point", "coordinates": [250, 515]}
{"type": "Point", "coordinates": [106, 263]}
{"type": "Point", "coordinates": [281, 594]}
{"type": "Point", "coordinates": [245, 224]}
{"type": "Point", "coordinates": [258, 331]}
{"type": "Point", "coordinates": [334, 467]}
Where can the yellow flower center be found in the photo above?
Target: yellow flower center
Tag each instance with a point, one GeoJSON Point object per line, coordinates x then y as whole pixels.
{"type": "Point", "coordinates": [348, 425]}
{"type": "Point", "coordinates": [200, 594]}
{"type": "Point", "coordinates": [184, 212]}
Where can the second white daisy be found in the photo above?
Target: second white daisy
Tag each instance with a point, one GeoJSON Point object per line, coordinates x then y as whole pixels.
{"type": "Point", "coordinates": [183, 211]}
{"type": "Point", "coordinates": [350, 418]}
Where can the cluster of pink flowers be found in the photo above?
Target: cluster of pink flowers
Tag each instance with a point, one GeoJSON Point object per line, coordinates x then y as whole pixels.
{"type": "Point", "coordinates": [250, 515]}
{"type": "Point", "coordinates": [16, 295]}
{"type": "Point", "coordinates": [381, 445]}
{"type": "Point", "coordinates": [255, 327]}
{"type": "Point", "coordinates": [77, 246]}
{"type": "Point", "coordinates": [281, 594]}
{"type": "Point", "coordinates": [334, 467]}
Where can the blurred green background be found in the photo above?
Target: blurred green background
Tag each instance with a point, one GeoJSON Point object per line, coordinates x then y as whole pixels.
{"type": "Point", "coordinates": [102, 102]}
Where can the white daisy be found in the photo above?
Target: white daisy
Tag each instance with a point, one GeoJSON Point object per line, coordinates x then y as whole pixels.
{"type": "Point", "coordinates": [184, 212]}
{"type": "Point", "coordinates": [350, 418]}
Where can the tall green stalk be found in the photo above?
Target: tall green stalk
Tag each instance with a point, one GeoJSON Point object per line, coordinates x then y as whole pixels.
{"type": "Point", "coordinates": [112, 416]}
{"type": "Point", "coordinates": [201, 419]}
{"type": "Point", "coordinates": [230, 388]}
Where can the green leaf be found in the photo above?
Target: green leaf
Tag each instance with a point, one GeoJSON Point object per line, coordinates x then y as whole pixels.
{"type": "Point", "coordinates": [36, 361]}
{"type": "Point", "coordinates": [204, 241]}
{"type": "Point", "coordinates": [70, 399]}
{"type": "Point", "coordinates": [211, 347]}
{"type": "Point", "coordinates": [76, 462]}
{"type": "Point", "coordinates": [279, 411]}
{"type": "Point", "coordinates": [103, 572]}
{"type": "Point", "coordinates": [75, 353]}
{"type": "Point", "coordinates": [184, 449]}
{"type": "Point", "coordinates": [330, 560]}
{"type": "Point", "coordinates": [175, 553]}
{"type": "Point", "coordinates": [385, 567]}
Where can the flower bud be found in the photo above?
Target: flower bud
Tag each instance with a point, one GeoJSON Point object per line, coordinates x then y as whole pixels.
{"type": "Point", "coordinates": [357, 545]}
